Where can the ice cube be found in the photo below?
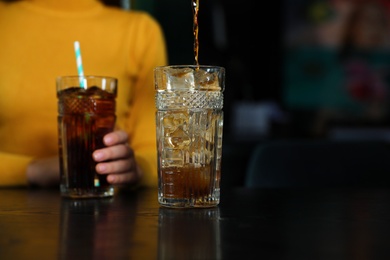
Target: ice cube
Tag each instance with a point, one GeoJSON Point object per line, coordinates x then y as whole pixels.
{"type": "Point", "coordinates": [70, 92]}
{"type": "Point", "coordinates": [172, 157]}
{"type": "Point", "coordinates": [188, 78]}
{"type": "Point", "coordinates": [96, 92]}
{"type": "Point", "coordinates": [178, 139]}
{"type": "Point", "coordinates": [173, 120]}
{"type": "Point", "coordinates": [207, 80]}
{"type": "Point", "coordinates": [182, 78]}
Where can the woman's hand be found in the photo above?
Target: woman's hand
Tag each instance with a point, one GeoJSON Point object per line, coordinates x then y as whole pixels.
{"type": "Point", "coordinates": [44, 172]}
{"type": "Point", "coordinates": [117, 160]}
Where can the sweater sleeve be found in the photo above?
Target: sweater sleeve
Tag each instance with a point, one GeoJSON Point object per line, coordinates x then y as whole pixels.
{"type": "Point", "coordinates": [150, 52]}
{"type": "Point", "coordinates": [13, 169]}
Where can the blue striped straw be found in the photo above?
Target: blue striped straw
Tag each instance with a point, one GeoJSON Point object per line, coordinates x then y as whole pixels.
{"type": "Point", "coordinates": [79, 62]}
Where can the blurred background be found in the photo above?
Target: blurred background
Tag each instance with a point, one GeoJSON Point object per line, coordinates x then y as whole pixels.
{"type": "Point", "coordinates": [295, 69]}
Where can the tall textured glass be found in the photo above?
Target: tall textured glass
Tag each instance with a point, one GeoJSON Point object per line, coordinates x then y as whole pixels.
{"type": "Point", "coordinates": [189, 124]}
{"type": "Point", "coordinates": [86, 112]}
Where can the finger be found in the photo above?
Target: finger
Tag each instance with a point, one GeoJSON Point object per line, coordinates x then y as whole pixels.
{"type": "Point", "coordinates": [117, 166]}
{"type": "Point", "coordinates": [122, 178]}
{"type": "Point", "coordinates": [116, 137]}
{"type": "Point", "coordinates": [113, 153]}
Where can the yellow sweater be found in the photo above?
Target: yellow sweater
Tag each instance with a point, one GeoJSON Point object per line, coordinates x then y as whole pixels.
{"type": "Point", "coordinates": [36, 46]}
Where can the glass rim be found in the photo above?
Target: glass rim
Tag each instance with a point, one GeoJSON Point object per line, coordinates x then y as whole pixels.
{"type": "Point", "coordinates": [86, 77]}
{"type": "Point", "coordinates": [192, 66]}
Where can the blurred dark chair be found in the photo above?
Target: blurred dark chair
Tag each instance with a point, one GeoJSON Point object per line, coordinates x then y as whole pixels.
{"type": "Point", "coordinates": [319, 163]}
{"type": "Point", "coordinates": [235, 157]}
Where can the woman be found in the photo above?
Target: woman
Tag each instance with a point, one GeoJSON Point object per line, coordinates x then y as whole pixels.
{"type": "Point", "coordinates": [36, 46]}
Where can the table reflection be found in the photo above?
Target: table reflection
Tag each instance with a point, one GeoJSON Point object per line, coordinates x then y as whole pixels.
{"type": "Point", "coordinates": [189, 233]}
{"type": "Point", "coordinates": [97, 225]}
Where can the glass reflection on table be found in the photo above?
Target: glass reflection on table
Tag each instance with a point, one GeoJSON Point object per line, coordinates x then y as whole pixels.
{"type": "Point", "coordinates": [189, 233]}
{"type": "Point", "coordinates": [92, 228]}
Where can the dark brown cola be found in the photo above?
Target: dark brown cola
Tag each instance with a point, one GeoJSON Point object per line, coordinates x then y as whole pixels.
{"type": "Point", "coordinates": [85, 116]}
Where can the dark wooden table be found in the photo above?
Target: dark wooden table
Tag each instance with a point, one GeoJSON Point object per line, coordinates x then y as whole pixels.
{"type": "Point", "coordinates": [248, 224]}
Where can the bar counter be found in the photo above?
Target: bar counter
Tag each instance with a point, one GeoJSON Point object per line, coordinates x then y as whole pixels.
{"type": "Point", "coordinates": [248, 224]}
